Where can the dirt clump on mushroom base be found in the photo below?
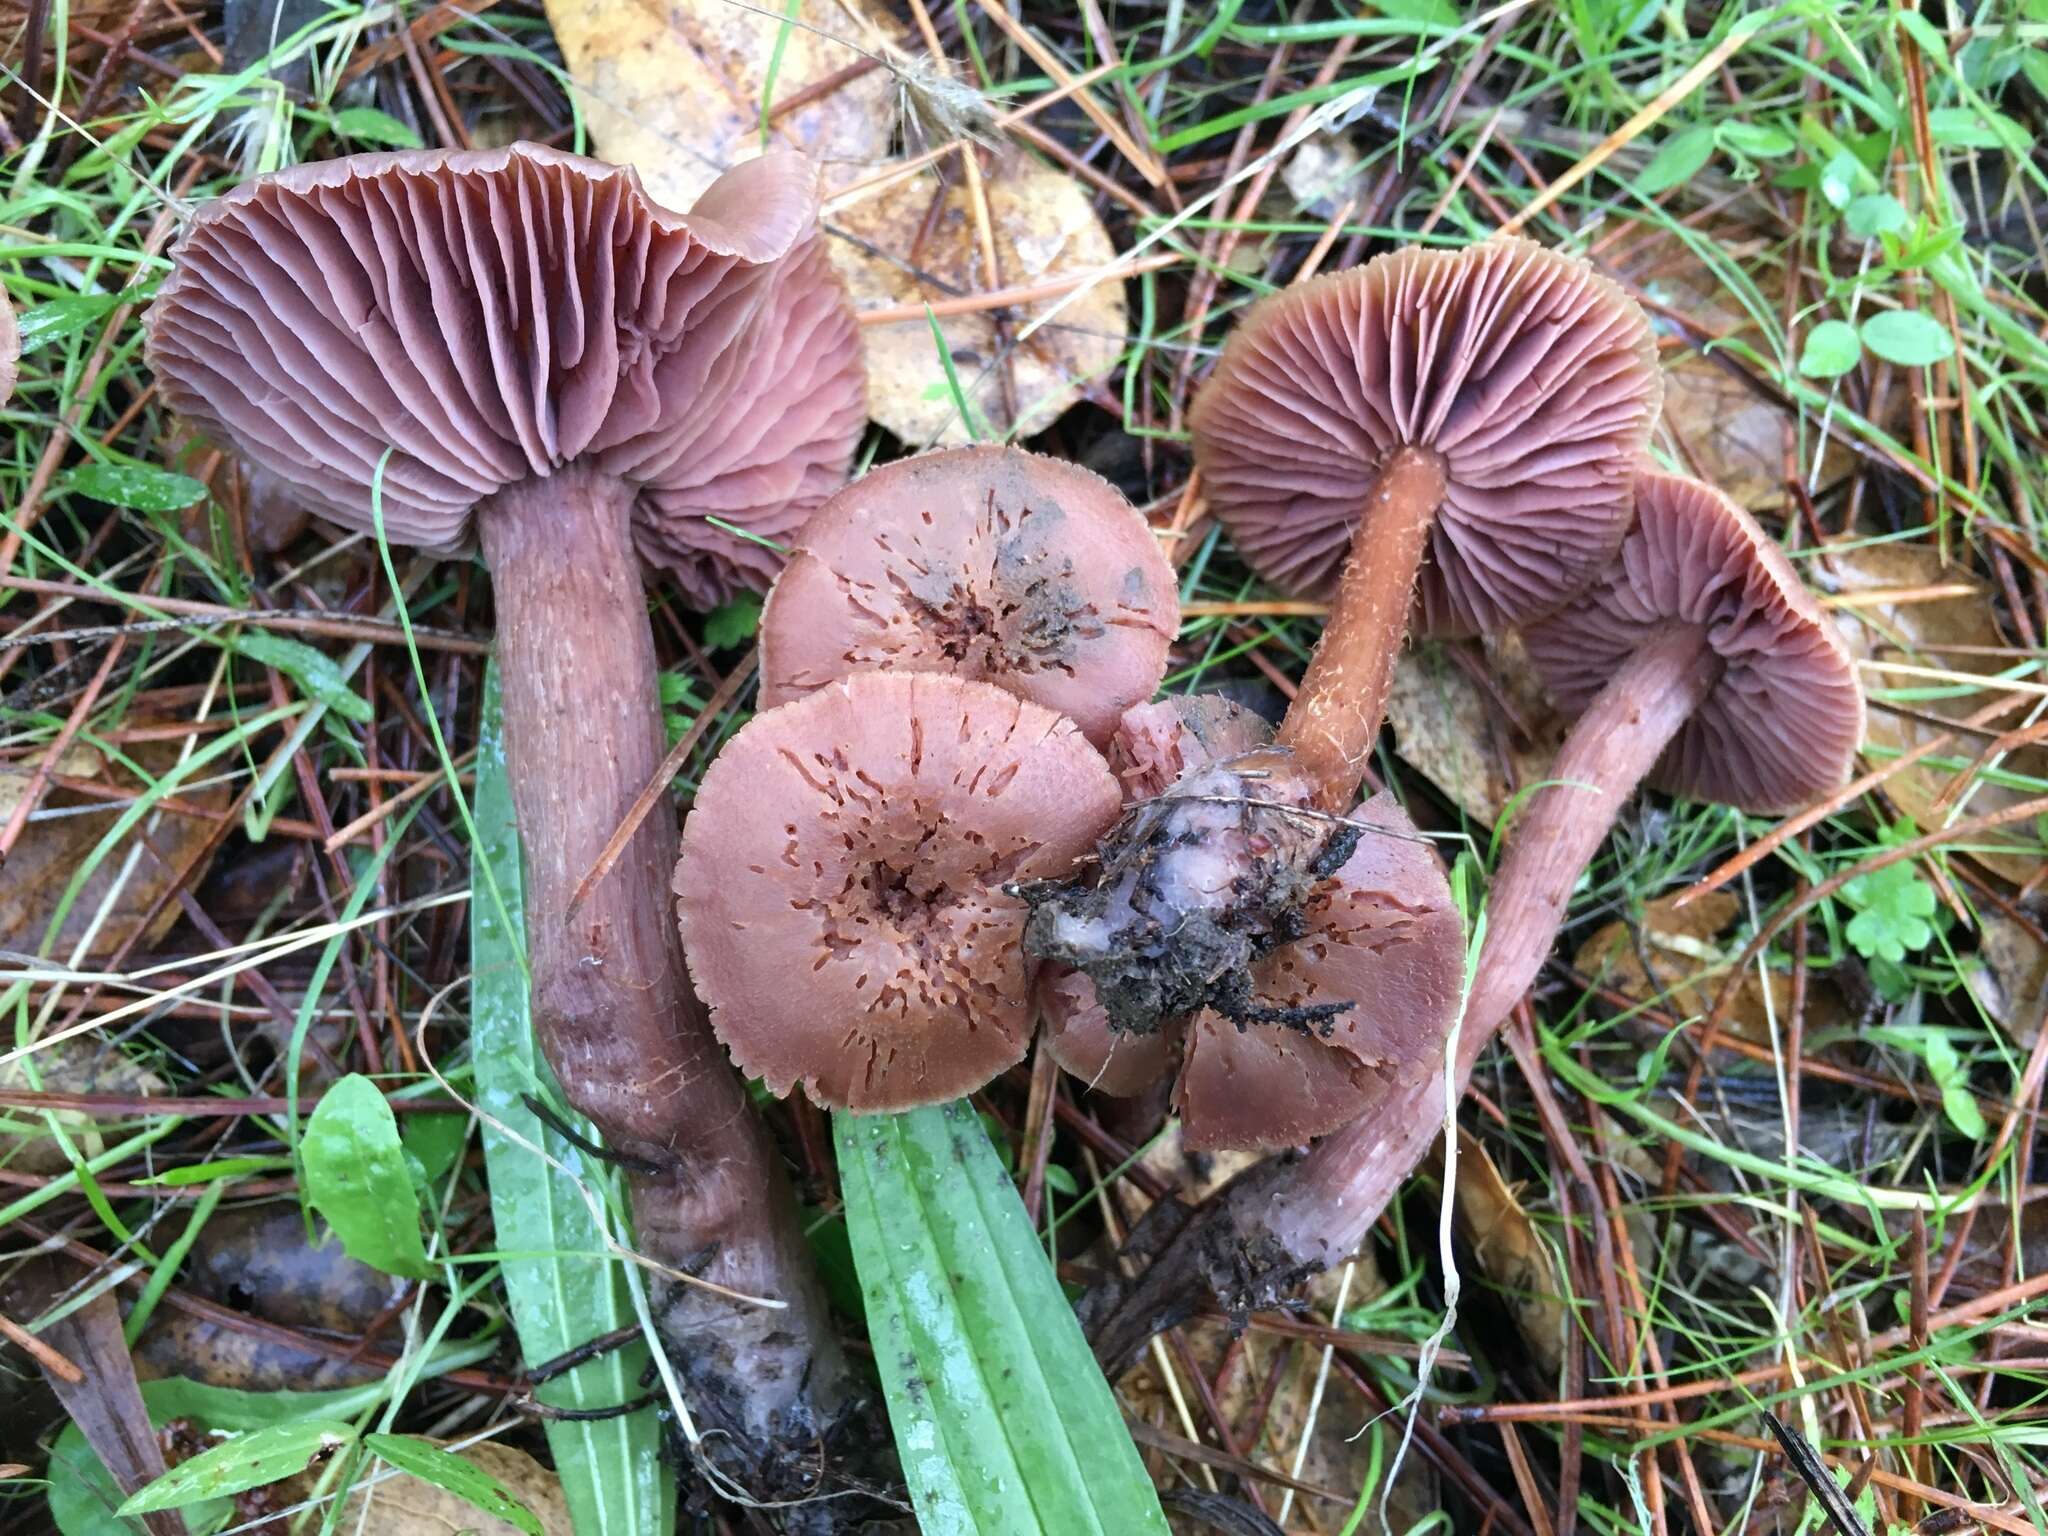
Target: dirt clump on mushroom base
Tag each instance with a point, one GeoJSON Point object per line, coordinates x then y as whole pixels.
{"type": "Point", "coordinates": [1193, 887]}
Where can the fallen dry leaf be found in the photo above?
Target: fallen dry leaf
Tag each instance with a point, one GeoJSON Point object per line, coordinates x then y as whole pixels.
{"type": "Point", "coordinates": [674, 87]}
{"type": "Point", "coordinates": [1447, 727]}
{"type": "Point", "coordinates": [1904, 632]}
{"type": "Point", "coordinates": [404, 1505]}
{"type": "Point", "coordinates": [917, 242]}
{"type": "Point", "coordinates": [2011, 976]}
{"type": "Point", "coordinates": [81, 1064]}
{"type": "Point", "coordinates": [1511, 1253]}
{"type": "Point", "coordinates": [1688, 963]}
{"type": "Point", "coordinates": [1323, 174]}
{"type": "Point", "coordinates": [1719, 426]}
{"type": "Point", "coordinates": [53, 845]}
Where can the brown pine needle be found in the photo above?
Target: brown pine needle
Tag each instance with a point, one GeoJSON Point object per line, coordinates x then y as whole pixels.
{"type": "Point", "coordinates": [1776, 838]}
{"type": "Point", "coordinates": [49, 1359]}
{"type": "Point", "coordinates": [671, 765]}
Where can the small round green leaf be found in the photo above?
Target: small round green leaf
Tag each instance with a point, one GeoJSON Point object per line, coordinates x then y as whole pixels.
{"type": "Point", "coordinates": [1831, 350]}
{"type": "Point", "coordinates": [1874, 213]}
{"type": "Point", "coordinates": [1909, 337]}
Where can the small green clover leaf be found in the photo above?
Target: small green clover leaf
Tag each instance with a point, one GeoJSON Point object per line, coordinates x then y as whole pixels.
{"type": "Point", "coordinates": [1893, 905]}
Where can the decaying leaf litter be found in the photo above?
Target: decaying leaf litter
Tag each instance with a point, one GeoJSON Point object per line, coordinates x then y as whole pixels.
{"type": "Point", "coordinates": [1838, 244]}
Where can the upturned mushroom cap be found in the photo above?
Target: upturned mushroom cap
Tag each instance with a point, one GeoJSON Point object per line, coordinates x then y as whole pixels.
{"type": "Point", "coordinates": [1784, 722]}
{"type": "Point", "coordinates": [1155, 743]}
{"type": "Point", "coordinates": [491, 316]}
{"type": "Point", "coordinates": [984, 562]}
{"type": "Point", "coordinates": [1534, 378]}
{"type": "Point", "coordinates": [841, 883]}
{"type": "Point", "coordinates": [1383, 935]}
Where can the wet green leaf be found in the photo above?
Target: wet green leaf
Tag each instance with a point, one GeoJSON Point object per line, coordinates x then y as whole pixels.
{"type": "Point", "coordinates": [313, 670]}
{"type": "Point", "coordinates": [141, 487]}
{"type": "Point", "coordinates": [465, 1479]}
{"type": "Point", "coordinates": [357, 1179]}
{"type": "Point", "coordinates": [562, 1290]}
{"type": "Point", "coordinates": [247, 1461]}
{"type": "Point", "coordinates": [59, 318]}
{"type": "Point", "coordinates": [1002, 1419]}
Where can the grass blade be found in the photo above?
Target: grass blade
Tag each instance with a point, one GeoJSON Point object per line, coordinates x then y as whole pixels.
{"type": "Point", "coordinates": [562, 1292]}
{"type": "Point", "coordinates": [1002, 1419]}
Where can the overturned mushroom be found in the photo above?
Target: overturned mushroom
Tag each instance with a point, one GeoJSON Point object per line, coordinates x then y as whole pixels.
{"type": "Point", "coordinates": [842, 886]}
{"type": "Point", "coordinates": [1487, 406]}
{"type": "Point", "coordinates": [1482, 407]}
{"type": "Point", "coordinates": [1319, 1026]}
{"type": "Point", "coordinates": [1699, 662]}
{"type": "Point", "coordinates": [983, 562]}
{"type": "Point", "coordinates": [517, 345]}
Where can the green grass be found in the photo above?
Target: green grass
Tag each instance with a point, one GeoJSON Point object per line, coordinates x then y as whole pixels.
{"type": "Point", "coordinates": [1699, 1208]}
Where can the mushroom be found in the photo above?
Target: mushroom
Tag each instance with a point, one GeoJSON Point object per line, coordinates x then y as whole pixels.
{"type": "Point", "coordinates": [518, 344]}
{"type": "Point", "coordinates": [985, 562]}
{"type": "Point", "coordinates": [1485, 407]}
{"type": "Point", "coordinates": [1153, 747]}
{"type": "Point", "coordinates": [1322, 1024]}
{"type": "Point", "coordinates": [842, 893]}
{"type": "Point", "coordinates": [1700, 663]}
{"type": "Point", "coordinates": [1155, 744]}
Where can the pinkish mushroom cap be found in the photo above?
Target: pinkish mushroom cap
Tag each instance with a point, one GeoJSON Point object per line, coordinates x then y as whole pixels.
{"type": "Point", "coordinates": [841, 883]}
{"type": "Point", "coordinates": [1155, 744]}
{"type": "Point", "coordinates": [983, 562]}
{"type": "Point", "coordinates": [489, 317]}
{"type": "Point", "coordinates": [1382, 935]}
{"type": "Point", "coordinates": [1783, 723]}
{"type": "Point", "coordinates": [1529, 375]}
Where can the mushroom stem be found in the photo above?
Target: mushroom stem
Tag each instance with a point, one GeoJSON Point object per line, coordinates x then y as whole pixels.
{"type": "Point", "coordinates": [1323, 1213]}
{"type": "Point", "coordinates": [612, 1009]}
{"type": "Point", "coordinates": [1335, 718]}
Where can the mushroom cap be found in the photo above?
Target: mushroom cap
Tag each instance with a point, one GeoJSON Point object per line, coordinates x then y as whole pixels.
{"type": "Point", "coordinates": [1783, 723]}
{"type": "Point", "coordinates": [1533, 377]}
{"type": "Point", "coordinates": [1120, 1063]}
{"type": "Point", "coordinates": [490, 316]}
{"type": "Point", "coordinates": [841, 881]}
{"type": "Point", "coordinates": [1382, 934]}
{"type": "Point", "coordinates": [1155, 743]}
{"type": "Point", "coordinates": [985, 562]}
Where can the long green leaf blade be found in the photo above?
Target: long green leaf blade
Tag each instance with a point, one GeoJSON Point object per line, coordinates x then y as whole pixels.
{"type": "Point", "coordinates": [1004, 1424]}
{"type": "Point", "coordinates": [562, 1293]}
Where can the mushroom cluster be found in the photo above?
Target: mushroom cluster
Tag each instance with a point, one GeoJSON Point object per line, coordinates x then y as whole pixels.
{"type": "Point", "coordinates": [953, 635]}
{"type": "Point", "coordinates": [1507, 394]}
{"type": "Point", "coordinates": [516, 348]}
